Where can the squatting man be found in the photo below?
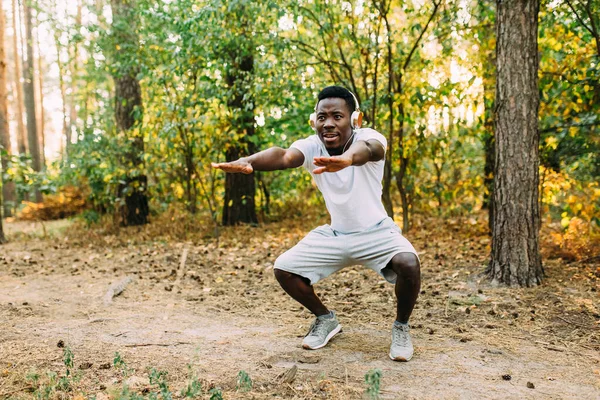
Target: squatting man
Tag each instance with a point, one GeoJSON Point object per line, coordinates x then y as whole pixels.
{"type": "Point", "coordinates": [347, 164]}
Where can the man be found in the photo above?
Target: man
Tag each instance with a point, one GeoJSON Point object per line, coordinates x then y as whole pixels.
{"type": "Point", "coordinates": [346, 163]}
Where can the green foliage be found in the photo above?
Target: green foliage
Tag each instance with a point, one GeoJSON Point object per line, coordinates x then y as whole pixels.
{"type": "Point", "coordinates": [120, 364]}
{"type": "Point", "coordinates": [215, 394]}
{"type": "Point", "coordinates": [194, 386]}
{"type": "Point", "coordinates": [222, 79]}
{"type": "Point", "coordinates": [46, 387]}
{"type": "Point", "coordinates": [373, 381]}
{"type": "Point", "coordinates": [244, 383]}
{"type": "Point", "coordinates": [160, 378]}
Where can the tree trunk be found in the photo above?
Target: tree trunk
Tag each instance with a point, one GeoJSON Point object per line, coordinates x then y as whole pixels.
{"type": "Point", "coordinates": [63, 96]}
{"type": "Point", "coordinates": [485, 12]}
{"type": "Point", "coordinates": [401, 174]}
{"type": "Point", "coordinates": [28, 89]}
{"type": "Point", "coordinates": [489, 145]}
{"type": "Point", "coordinates": [8, 188]}
{"type": "Point", "coordinates": [21, 136]}
{"type": "Point", "coordinates": [240, 189]}
{"type": "Point", "coordinates": [515, 258]}
{"type": "Point", "coordinates": [74, 70]}
{"type": "Point", "coordinates": [190, 170]}
{"type": "Point", "coordinates": [266, 195]}
{"type": "Point", "coordinates": [2, 237]}
{"type": "Point", "coordinates": [386, 197]}
{"type": "Point", "coordinates": [128, 112]}
{"type": "Point", "coordinates": [40, 98]}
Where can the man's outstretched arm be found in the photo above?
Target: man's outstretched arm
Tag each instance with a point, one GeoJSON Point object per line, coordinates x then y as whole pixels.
{"type": "Point", "coordinates": [359, 153]}
{"type": "Point", "coordinates": [271, 159]}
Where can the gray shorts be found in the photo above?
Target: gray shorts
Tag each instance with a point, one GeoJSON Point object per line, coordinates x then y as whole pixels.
{"type": "Point", "coordinates": [324, 251]}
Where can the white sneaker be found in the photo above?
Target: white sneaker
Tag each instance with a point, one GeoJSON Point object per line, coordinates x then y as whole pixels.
{"type": "Point", "coordinates": [402, 348]}
{"type": "Point", "coordinates": [321, 331]}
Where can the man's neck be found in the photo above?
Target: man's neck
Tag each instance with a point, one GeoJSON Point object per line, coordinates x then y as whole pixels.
{"type": "Point", "coordinates": [335, 152]}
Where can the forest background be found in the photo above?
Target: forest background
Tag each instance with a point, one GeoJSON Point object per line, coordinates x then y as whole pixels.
{"type": "Point", "coordinates": [219, 80]}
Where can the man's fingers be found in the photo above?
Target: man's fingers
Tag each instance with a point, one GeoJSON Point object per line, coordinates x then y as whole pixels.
{"type": "Point", "coordinates": [322, 161]}
{"type": "Point", "coordinates": [319, 171]}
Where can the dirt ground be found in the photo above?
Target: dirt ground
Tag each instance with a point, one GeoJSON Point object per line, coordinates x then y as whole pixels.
{"type": "Point", "coordinates": [207, 312]}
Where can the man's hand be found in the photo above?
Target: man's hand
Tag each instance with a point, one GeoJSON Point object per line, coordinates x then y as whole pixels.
{"type": "Point", "coordinates": [331, 164]}
{"type": "Point", "coordinates": [236, 166]}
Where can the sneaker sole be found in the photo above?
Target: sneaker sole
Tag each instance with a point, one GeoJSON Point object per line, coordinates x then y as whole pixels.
{"type": "Point", "coordinates": [401, 359]}
{"type": "Point", "coordinates": [331, 334]}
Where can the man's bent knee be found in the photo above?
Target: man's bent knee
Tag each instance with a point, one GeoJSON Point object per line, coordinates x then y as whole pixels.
{"type": "Point", "coordinates": [281, 275]}
{"type": "Point", "coordinates": [405, 264]}
{"type": "Point", "coordinates": [285, 276]}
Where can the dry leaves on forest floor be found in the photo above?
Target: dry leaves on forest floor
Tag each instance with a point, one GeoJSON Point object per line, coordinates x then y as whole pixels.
{"type": "Point", "coordinates": [232, 280]}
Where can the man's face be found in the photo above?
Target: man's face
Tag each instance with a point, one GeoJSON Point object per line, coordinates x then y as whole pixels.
{"type": "Point", "coordinates": [333, 123]}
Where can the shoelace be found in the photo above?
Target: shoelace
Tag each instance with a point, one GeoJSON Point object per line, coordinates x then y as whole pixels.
{"type": "Point", "coordinates": [400, 336]}
{"type": "Point", "coordinates": [317, 327]}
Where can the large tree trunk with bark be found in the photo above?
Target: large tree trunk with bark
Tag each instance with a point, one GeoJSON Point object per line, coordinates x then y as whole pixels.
{"type": "Point", "coordinates": [515, 258]}
{"type": "Point", "coordinates": [21, 136]}
{"type": "Point", "coordinates": [240, 189]}
{"type": "Point", "coordinates": [8, 188]}
{"type": "Point", "coordinates": [28, 88]}
{"type": "Point", "coordinates": [128, 112]}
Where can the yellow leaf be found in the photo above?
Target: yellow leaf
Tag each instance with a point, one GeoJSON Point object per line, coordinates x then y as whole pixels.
{"type": "Point", "coordinates": [219, 280]}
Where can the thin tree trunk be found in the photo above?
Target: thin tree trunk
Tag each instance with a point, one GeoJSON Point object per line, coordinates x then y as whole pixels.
{"type": "Point", "coordinates": [2, 236]}
{"type": "Point", "coordinates": [515, 258]}
{"type": "Point", "coordinates": [489, 86]}
{"type": "Point", "coordinates": [19, 112]}
{"type": "Point", "coordinates": [128, 114]}
{"type": "Point", "coordinates": [266, 194]}
{"type": "Point", "coordinates": [386, 197]}
{"type": "Point", "coordinates": [7, 197]}
{"type": "Point", "coordinates": [63, 96]}
{"type": "Point", "coordinates": [73, 71]}
{"type": "Point", "coordinates": [28, 89]}
{"type": "Point", "coordinates": [40, 98]}
{"type": "Point", "coordinates": [401, 174]}
{"type": "Point", "coordinates": [399, 79]}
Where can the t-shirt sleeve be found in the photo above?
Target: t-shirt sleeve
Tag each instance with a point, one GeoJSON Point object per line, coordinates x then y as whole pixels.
{"type": "Point", "coordinates": [368, 134]}
{"type": "Point", "coordinates": [308, 148]}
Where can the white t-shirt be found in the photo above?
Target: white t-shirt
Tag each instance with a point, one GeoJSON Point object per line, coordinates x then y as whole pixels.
{"type": "Point", "coordinates": [352, 195]}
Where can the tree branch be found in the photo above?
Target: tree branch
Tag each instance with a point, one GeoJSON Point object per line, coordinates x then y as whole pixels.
{"type": "Point", "coordinates": [414, 48]}
{"type": "Point", "coordinates": [578, 17]}
{"type": "Point", "coordinates": [561, 127]}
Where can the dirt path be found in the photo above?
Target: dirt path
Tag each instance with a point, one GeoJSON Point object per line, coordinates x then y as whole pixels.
{"type": "Point", "coordinates": [222, 313]}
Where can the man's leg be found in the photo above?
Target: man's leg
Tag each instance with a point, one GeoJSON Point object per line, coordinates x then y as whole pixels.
{"type": "Point", "coordinates": [408, 283]}
{"type": "Point", "coordinates": [407, 268]}
{"type": "Point", "coordinates": [325, 325]}
{"type": "Point", "coordinates": [299, 289]}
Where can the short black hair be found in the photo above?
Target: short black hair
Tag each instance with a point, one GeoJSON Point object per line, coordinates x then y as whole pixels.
{"type": "Point", "coordinates": [338, 92]}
